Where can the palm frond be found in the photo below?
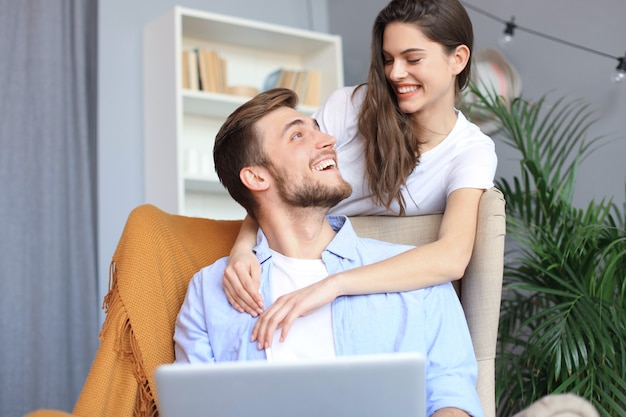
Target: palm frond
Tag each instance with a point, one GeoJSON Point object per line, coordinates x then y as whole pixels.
{"type": "Point", "coordinates": [563, 314]}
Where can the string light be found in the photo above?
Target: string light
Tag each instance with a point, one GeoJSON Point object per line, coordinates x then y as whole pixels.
{"type": "Point", "coordinates": [620, 71]}
{"type": "Point", "coordinates": [509, 31]}
{"type": "Point", "coordinates": [511, 26]}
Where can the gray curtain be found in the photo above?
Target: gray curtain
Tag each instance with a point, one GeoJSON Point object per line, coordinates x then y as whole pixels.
{"type": "Point", "coordinates": [48, 302]}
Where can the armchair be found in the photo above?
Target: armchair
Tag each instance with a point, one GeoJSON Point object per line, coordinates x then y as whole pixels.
{"type": "Point", "coordinates": [158, 253]}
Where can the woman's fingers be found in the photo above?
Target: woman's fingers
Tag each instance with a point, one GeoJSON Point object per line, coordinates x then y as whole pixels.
{"type": "Point", "coordinates": [241, 284]}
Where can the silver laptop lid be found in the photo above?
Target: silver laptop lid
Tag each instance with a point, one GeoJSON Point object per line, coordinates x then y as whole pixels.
{"type": "Point", "coordinates": [349, 386]}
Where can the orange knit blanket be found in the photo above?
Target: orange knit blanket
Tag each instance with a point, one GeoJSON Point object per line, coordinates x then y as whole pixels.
{"type": "Point", "coordinates": [156, 256]}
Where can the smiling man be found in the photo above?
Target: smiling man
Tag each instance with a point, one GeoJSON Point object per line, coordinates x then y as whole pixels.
{"type": "Point", "coordinates": [283, 170]}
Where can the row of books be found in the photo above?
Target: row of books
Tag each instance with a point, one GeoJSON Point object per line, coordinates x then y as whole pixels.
{"type": "Point", "coordinates": [305, 83]}
{"type": "Point", "coordinates": [203, 69]}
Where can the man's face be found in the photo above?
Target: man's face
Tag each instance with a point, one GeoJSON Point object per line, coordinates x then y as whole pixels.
{"type": "Point", "coordinates": [303, 161]}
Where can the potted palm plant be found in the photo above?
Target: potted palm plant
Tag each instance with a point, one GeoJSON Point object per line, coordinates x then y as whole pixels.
{"type": "Point", "coordinates": [563, 315]}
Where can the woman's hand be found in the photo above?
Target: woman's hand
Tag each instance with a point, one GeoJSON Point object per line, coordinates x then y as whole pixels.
{"type": "Point", "coordinates": [287, 308]}
{"type": "Point", "coordinates": [242, 278]}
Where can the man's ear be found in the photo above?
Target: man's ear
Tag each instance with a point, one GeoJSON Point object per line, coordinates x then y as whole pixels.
{"type": "Point", "coordinates": [460, 58]}
{"type": "Point", "coordinates": [254, 178]}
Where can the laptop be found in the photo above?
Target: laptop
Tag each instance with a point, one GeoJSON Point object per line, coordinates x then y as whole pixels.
{"type": "Point", "coordinates": [390, 384]}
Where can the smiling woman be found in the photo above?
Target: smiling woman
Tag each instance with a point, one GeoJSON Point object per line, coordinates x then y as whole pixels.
{"type": "Point", "coordinates": [405, 150]}
{"type": "Point", "coordinates": [405, 153]}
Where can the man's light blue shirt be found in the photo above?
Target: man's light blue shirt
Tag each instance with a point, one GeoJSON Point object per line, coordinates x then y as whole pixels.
{"type": "Point", "coordinates": [430, 321]}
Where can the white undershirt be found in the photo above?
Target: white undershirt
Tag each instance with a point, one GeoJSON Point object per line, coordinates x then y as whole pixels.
{"type": "Point", "coordinates": [310, 336]}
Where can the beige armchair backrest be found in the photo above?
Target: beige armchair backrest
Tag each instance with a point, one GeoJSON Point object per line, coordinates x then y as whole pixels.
{"type": "Point", "coordinates": [481, 286]}
{"type": "Point", "coordinates": [157, 255]}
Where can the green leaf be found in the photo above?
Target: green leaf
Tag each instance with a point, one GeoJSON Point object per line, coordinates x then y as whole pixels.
{"type": "Point", "coordinates": [563, 314]}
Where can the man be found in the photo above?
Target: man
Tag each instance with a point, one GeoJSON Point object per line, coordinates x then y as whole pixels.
{"type": "Point", "coordinates": [283, 170]}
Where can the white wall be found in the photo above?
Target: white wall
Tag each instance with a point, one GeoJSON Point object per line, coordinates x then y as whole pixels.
{"type": "Point", "coordinates": [120, 117]}
{"type": "Point", "coordinates": [545, 67]}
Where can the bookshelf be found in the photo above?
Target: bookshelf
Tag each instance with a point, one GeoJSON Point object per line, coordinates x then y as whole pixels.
{"type": "Point", "coordinates": [180, 122]}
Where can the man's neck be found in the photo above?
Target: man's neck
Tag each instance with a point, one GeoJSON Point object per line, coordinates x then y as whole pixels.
{"type": "Point", "coordinates": [301, 234]}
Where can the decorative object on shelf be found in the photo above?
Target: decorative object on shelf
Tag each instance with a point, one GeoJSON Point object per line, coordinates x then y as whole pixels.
{"type": "Point", "coordinates": [242, 91]}
{"type": "Point", "coordinates": [491, 73]}
{"type": "Point", "coordinates": [511, 26]}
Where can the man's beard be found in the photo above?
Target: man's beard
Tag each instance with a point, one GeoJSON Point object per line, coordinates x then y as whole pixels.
{"type": "Point", "coordinates": [307, 194]}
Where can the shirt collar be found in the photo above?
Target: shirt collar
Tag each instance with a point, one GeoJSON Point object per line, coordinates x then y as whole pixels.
{"type": "Point", "coordinates": [342, 245]}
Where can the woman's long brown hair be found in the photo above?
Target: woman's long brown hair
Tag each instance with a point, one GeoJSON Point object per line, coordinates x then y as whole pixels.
{"type": "Point", "coordinates": [392, 143]}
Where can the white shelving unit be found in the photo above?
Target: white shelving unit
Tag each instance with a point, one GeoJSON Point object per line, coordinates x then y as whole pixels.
{"type": "Point", "coordinates": [180, 124]}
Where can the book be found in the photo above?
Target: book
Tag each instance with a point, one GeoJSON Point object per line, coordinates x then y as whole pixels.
{"type": "Point", "coordinates": [312, 94]}
{"type": "Point", "coordinates": [222, 83]}
{"type": "Point", "coordinates": [203, 70]}
{"type": "Point", "coordinates": [208, 80]}
{"type": "Point", "coordinates": [289, 79]}
{"type": "Point", "coordinates": [212, 71]}
{"type": "Point", "coordinates": [301, 84]}
{"type": "Point", "coordinates": [192, 67]}
{"type": "Point", "coordinates": [185, 69]}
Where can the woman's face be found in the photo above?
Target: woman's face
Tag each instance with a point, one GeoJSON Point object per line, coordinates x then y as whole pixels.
{"type": "Point", "coordinates": [422, 73]}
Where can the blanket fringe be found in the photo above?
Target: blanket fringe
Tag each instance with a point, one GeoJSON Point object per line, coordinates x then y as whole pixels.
{"type": "Point", "coordinates": [127, 347]}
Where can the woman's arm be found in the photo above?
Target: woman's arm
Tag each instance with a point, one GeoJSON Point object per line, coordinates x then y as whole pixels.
{"type": "Point", "coordinates": [243, 272]}
{"type": "Point", "coordinates": [440, 261]}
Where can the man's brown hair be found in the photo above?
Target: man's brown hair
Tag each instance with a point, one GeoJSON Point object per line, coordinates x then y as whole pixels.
{"type": "Point", "coordinates": [238, 145]}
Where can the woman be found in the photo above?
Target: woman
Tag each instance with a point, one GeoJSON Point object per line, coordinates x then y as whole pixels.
{"type": "Point", "coordinates": [405, 150]}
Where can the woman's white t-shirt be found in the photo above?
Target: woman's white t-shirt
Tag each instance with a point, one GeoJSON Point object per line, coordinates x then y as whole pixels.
{"type": "Point", "coordinates": [466, 158]}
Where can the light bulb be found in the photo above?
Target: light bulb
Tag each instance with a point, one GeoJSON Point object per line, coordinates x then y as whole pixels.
{"type": "Point", "coordinates": [620, 71]}
{"type": "Point", "coordinates": [509, 31]}
{"type": "Point", "coordinates": [506, 40]}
